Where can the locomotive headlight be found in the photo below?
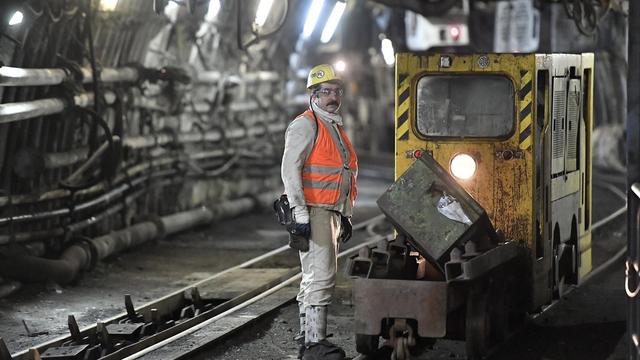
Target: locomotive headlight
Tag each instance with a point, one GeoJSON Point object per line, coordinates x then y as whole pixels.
{"type": "Point", "coordinates": [463, 166]}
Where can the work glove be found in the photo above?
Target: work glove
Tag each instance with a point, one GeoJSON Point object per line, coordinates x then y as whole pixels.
{"type": "Point", "coordinates": [303, 230]}
{"type": "Point", "coordinates": [300, 229]}
{"type": "Point", "coordinates": [346, 229]}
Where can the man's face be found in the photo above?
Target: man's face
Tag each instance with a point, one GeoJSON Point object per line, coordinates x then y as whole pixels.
{"type": "Point", "coordinates": [328, 97]}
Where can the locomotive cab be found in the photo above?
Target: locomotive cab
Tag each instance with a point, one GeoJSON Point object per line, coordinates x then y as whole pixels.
{"type": "Point", "coordinates": [514, 132]}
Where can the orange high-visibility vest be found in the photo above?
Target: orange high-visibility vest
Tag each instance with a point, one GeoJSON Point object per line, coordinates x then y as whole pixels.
{"type": "Point", "coordinates": [324, 168]}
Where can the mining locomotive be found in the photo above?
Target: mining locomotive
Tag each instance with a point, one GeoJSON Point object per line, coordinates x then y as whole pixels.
{"type": "Point", "coordinates": [492, 199]}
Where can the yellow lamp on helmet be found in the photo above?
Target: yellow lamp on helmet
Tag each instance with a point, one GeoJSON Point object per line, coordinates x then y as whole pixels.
{"type": "Point", "coordinates": [320, 74]}
{"type": "Point", "coordinates": [463, 166]}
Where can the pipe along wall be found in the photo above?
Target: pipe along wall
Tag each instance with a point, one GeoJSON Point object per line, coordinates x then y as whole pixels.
{"type": "Point", "coordinates": [206, 158]}
{"type": "Point", "coordinates": [85, 253]}
{"type": "Point", "coordinates": [95, 134]}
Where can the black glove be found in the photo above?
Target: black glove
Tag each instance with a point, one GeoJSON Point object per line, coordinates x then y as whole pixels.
{"type": "Point", "coordinates": [299, 235]}
{"type": "Point", "coordinates": [303, 230]}
{"type": "Point", "coordinates": [346, 230]}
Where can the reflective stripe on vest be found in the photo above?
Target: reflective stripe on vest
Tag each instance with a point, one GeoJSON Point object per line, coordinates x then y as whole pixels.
{"type": "Point", "coordinates": [322, 174]}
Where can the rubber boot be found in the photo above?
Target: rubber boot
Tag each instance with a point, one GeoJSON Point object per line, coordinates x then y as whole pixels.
{"type": "Point", "coordinates": [317, 346]}
{"type": "Point", "coordinates": [299, 338]}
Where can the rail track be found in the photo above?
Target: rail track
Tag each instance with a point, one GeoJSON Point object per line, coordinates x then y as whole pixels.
{"type": "Point", "coordinates": [180, 323]}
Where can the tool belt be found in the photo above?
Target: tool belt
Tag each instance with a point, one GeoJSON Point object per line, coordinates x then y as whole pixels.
{"type": "Point", "coordinates": [282, 209]}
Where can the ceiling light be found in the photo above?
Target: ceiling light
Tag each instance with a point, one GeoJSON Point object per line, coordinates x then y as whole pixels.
{"type": "Point", "coordinates": [332, 23]}
{"type": "Point", "coordinates": [340, 66]}
{"type": "Point", "coordinates": [108, 5]}
{"type": "Point", "coordinates": [264, 8]}
{"type": "Point", "coordinates": [171, 11]}
{"type": "Point", "coordinates": [387, 52]}
{"type": "Point", "coordinates": [16, 18]}
{"type": "Point", "coordinates": [212, 11]}
{"type": "Point", "coordinates": [312, 18]}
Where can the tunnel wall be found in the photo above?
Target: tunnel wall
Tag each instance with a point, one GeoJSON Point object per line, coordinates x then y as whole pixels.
{"type": "Point", "coordinates": [183, 119]}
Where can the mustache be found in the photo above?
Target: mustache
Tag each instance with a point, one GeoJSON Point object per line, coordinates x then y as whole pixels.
{"type": "Point", "coordinates": [333, 103]}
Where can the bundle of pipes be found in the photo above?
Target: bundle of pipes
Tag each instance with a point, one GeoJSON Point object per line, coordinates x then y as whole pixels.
{"type": "Point", "coordinates": [102, 200]}
{"type": "Point", "coordinates": [12, 76]}
{"type": "Point", "coordinates": [83, 255]}
{"type": "Point", "coordinates": [122, 186]}
{"type": "Point", "coordinates": [61, 159]}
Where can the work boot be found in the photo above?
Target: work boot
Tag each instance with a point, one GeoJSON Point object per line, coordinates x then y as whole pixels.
{"type": "Point", "coordinates": [303, 322]}
{"type": "Point", "coordinates": [323, 350]}
{"type": "Point", "coordinates": [301, 347]}
{"type": "Point", "coordinates": [299, 338]}
{"type": "Point", "coordinates": [316, 345]}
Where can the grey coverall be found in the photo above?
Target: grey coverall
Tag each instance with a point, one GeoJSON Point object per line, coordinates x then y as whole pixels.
{"type": "Point", "coordinates": [319, 264]}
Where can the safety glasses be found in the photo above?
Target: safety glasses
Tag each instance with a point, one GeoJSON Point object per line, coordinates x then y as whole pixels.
{"type": "Point", "coordinates": [326, 92]}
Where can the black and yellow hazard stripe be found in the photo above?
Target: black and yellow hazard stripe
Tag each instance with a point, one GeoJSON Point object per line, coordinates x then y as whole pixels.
{"type": "Point", "coordinates": [402, 110]}
{"type": "Point", "coordinates": [526, 107]}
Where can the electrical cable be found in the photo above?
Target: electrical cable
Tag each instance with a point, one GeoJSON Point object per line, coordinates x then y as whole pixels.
{"type": "Point", "coordinates": [94, 74]}
{"type": "Point", "coordinates": [106, 172]}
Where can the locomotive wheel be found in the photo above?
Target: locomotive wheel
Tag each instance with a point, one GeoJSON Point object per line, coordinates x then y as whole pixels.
{"type": "Point", "coordinates": [478, 326]}
{"type": "Point", "coordinates": [367, 344]}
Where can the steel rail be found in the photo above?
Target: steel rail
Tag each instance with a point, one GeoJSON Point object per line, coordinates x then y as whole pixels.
{"type": "Point", "coordinates": [36, 350]}
{"type": "Point", "coordinates": [370, 241]}
{"type": "Point", "coordinates": [292, 279]}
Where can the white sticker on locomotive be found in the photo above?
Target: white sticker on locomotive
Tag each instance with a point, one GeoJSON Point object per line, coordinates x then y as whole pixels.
{"type": "Point", "coordinates": [450, 207]}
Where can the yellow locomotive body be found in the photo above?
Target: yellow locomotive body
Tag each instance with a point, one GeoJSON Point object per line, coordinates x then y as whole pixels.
{"type": "Point", "coordinates": [508, 138]}
{"type": "Point", "coordinates": [524, 122]}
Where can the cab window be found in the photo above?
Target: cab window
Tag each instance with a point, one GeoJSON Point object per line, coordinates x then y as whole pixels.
{"type": "Point", "coordinates": [465, 106]}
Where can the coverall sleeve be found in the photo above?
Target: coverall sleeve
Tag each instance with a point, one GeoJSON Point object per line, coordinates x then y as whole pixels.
{"type": "Point", "coordinates": [298, 143]}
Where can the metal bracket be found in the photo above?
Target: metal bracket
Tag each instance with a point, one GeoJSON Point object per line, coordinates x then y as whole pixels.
{"type": "Point", "coordinates": [461, 269]}
{"type": "Point", "coordinates": [360, 265]}
{"type": "Point", "coordinates": [65, 352]}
